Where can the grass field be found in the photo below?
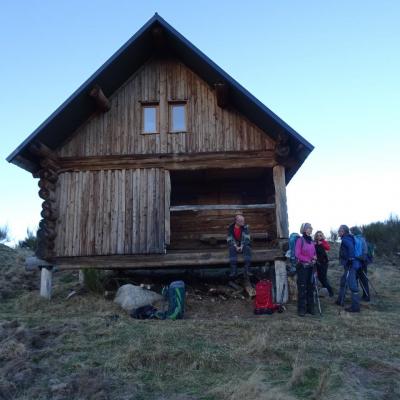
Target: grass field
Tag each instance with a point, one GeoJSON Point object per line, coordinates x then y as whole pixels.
{"type": "Point", "coordinates": [88, 348]}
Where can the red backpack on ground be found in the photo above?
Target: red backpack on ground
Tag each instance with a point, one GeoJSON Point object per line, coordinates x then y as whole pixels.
{"type": "Point", "coordinates": [263, 302]}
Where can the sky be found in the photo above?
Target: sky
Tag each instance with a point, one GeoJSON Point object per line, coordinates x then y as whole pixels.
{"type": "Point", "coordinates": [329, 69]}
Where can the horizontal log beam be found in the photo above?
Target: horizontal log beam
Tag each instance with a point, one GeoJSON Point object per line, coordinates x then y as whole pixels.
{"type": "Point", "coordinates": [41, 150]}
{"type": "Point", "coordinates": [185, 259]}
{"type": "Point", "coordinates": [224, 160]}
{"type": "Point", "coordinates": [222, 207]}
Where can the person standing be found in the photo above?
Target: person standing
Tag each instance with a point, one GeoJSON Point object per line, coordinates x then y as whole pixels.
{"type": "Point", "coordinates": [239, 242]}
{"type": "Point", "coordinates": [351, 265]}
{"type": "Point", "coordinates": [363, 260]}
{"type": "Point", "coordinates": [321, 248]}
{"type": "Point", "coordinates": [306, 256]}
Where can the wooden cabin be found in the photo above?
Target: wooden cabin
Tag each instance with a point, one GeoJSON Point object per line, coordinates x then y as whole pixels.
{"type": "Point", "coordinates": [148, 162]}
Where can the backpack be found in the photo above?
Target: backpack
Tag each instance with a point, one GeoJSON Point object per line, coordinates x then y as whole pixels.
{"type": "Point", "coordinates": [144, 312]}
{"type": "Point", "coordinates": [175, 296]}
{"type": "Point", "coordinates": [358, 248]}
{"type": "Point", "coordinates": [292, 247]}
{"type": "Point", "coordinates": [263, 302]}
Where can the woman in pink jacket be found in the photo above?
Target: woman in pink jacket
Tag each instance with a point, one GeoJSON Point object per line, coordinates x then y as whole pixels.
{"type": "Point", "coordinates": [306, 257]}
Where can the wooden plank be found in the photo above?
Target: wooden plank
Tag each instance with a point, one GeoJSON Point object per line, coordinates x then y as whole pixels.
{"type": "Point", "coordinates": [223, 207]}
{"type": "Point", "coordinates": [177, 259]}
{"type": "Point", "coordinates": [282, 222]}
{"type": "Point", "coordinates": [206, 160]}
{"type": "Point", "coordinates": [121, 214]}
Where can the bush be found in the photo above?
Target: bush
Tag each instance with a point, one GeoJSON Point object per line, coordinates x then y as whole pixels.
{"type": "Point", "coordinates": [30, 242]}
{"type": "Point", "coordinates": [4, 234]}
{"type": "Point", "coordinates": [384, 235]}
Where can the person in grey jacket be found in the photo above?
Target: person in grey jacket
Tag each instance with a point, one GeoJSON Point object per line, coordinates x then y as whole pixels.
{"type": "Point", "coordinates": [239, 242]}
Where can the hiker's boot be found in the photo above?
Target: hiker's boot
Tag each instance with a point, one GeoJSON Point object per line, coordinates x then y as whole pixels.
{"type": "Point", "coordinates": [301, 312]}
{"type": "Point", "coordinates": [247, 273]}
{"type": "Point", "coordinates": [233, 272]}
{"type": "Point", "coordinates": [311, 310]}
{"type": "Point", "coordinates": [352, 310]}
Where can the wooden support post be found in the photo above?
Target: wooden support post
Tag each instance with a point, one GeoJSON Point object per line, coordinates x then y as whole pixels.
{"type": "Point", "coordinates": [281, 295]}
{"type": "Point", "coordinates": [282, 223]}
{"type": "Point", "coordinates": [81, 278]}
{"type": "Point", "coordinates": [45, 282]}
{"type": "Point", "coordinates": [282, 226]}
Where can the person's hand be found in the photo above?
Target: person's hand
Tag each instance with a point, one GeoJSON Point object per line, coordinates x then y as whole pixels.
{"type": "Point", "coordinates": [239, 249]}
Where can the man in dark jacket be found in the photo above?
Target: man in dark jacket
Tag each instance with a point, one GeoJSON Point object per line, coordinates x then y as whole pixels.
{"type": "Point", "coordinates": [351, 265]}
{"type": "Point", "coordinates": [239, 242]}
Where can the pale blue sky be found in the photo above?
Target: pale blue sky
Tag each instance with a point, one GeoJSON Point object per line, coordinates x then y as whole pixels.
{"type": "Point", "coordinates": [330, 69]}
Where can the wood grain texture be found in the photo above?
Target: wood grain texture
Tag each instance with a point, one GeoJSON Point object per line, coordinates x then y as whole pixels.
{"type": "Point", "coordinates": [111, 212]}
{"type": "Point", "coordinates": [282, 220]}
{"type": "Point", "coordinates": [210, 128]}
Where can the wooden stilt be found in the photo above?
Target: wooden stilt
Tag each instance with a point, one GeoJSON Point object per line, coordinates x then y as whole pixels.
{"type": "Point", "coordinates": [281, 295]}
{"type": "Point", "coordinates": [81, 277]}
{"type": "Point", "coordinates": [45, 282]}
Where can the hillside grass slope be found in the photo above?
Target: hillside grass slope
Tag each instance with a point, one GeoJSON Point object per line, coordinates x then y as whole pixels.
{"type": "Point", "coordinates": [88, 348]}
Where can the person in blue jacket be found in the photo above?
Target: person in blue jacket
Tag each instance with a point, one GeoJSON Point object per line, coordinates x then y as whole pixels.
{"type": "Point", "coordinates": [351, 265]}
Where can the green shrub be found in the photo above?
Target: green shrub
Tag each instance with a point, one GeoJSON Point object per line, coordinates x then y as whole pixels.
{"type": "Point", "coordinates": [384, 235]}
{"type": "Point", "coordinates": [30, 241]}
{"type": "Point", "coordinates": [4, 234]}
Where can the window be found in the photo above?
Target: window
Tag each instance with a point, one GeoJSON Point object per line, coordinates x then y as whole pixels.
{"type": "Point", "coordinates": [150, 118]}
{"type": "Point", "coordinates": [177, 117]}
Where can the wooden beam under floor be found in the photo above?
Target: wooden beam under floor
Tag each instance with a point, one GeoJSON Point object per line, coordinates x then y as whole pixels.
{"type": "Point", "coordinates": [182, 259]}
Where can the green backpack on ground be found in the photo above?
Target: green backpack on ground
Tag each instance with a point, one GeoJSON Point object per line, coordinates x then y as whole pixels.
{"type": "Point", "coordinates": [175, 295]}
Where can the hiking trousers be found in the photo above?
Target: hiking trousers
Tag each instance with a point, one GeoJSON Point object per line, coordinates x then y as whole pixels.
{"type": "Point", "coordinates": [305, 298]}
{"type": "Point", "coordinates": [233, 257]}
{"type": "Point", "coordinates": [322, 270]}
{"type": "Point", "coordinates": [349, 281]}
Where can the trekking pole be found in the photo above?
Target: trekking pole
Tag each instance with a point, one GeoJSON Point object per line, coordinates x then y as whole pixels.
{"type": "Point", "coordinates": [362, 287]}
{"type": "Point", "coordinates": [316, 291]}
{"type": "Point", "coordinates": [373, 287]}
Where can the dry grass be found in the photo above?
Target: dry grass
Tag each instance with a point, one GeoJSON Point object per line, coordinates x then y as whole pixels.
{"type": "Point", "coordinates": [63, 348]}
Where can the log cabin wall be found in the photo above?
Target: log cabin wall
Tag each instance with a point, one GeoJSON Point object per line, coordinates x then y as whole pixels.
{"type": "Point", "coordinates": [210, 127]}
{"type": "Point", "coordinates": [112, 212]}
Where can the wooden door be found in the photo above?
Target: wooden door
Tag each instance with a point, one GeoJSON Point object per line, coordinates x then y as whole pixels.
{"type": "Point", "coordinates": [113, 212]}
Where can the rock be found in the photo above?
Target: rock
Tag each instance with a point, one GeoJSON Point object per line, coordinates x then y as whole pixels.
{"type": "Point", "coordinates": [131, 296]}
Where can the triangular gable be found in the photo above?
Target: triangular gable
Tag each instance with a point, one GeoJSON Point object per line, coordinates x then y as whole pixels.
{"type": "Point", "coordinates": [155, 34]}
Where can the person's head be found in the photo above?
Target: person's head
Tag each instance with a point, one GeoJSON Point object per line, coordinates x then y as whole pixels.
{"type": "Point", "coordinates": [343, 230]}
{"type": "Point", "coordinates": [355, 230]}
{"type": "Point", "coordinates": [239, 220]}
{"type": "Point", "coordinates": [319, 235]}
{"type": "Point", "coordinates": [306, 228]}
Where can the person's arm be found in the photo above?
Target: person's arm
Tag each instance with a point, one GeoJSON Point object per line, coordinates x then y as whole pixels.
{"type": "Point", "coordinates": [229, 238]}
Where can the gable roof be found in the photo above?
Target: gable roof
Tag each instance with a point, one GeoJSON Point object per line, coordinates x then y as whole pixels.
{"type": "Point", "coordinates": [128, 59]}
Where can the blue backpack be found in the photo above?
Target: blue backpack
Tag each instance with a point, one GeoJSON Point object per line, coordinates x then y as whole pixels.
{"type": "Point", "coordinates": [292, 247]}
{"type": "Point", "coordinates": [359, 248]}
